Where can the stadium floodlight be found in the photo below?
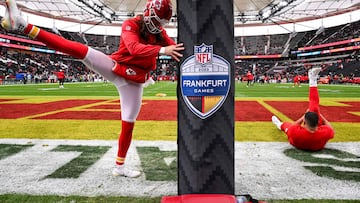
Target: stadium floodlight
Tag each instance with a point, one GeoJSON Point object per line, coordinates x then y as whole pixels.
{"type": "Point", "coordinates": [97, 8]}
{"type": "Point", "coordinates": [106, 14]}
{"type": "Point", "coordinates": [91, 3]}
{"type": "Point", "coordinates": [247, 16]}
{"type": "Point", "coordinates": [273, 8]}
{"type": "Point", "coordinates": [266, 13]}
{"type": "Point", "coordinates": [283, 3]}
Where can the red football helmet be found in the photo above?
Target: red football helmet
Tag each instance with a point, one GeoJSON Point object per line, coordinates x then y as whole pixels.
{"type": "Point", "coordinates": [157, 13]}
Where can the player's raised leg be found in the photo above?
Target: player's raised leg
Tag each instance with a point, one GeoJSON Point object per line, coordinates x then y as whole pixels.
{"type": "Point", "coordinates": [314, 98]}
{"type": "Point", "coordinates": [92, 58]}
{"type": "Point", "coordinates": [13, 21]}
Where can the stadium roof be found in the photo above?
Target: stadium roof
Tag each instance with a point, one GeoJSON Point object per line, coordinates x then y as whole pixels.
{"type": "Point", "coordinates": [245, 11]}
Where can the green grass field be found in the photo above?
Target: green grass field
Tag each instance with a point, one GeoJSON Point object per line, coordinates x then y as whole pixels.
{"type": "Point", "coordinates": [169, 88]}
{"type": "Point", "coordinates": [97, 90]}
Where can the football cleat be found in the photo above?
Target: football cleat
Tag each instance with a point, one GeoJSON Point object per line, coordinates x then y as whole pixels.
{"type": "Point", "coordinates": [149, 82]}
{"type": "Point", "coordinates": [122, 171]}
{"type": "Point", "coordinates": [276, 121]}
{"type": "Point", "coordinates": [12, 20]}
{"type": "Point", "coordinates": [313, 73]}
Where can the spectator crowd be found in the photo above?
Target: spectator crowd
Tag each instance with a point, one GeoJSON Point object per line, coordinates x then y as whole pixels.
{"type": "Point", "coordinates": [19, 65]}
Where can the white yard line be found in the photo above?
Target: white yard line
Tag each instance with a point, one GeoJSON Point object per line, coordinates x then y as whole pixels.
{"type": "Point", "coordinates": [261, 169]}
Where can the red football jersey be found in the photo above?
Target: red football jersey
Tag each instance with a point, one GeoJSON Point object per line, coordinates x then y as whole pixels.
{"type": "Point", "coordinates": [60, 75]}
{"type": "Point", "coordinates": [134, 50]}
{"type": "Point", "coordinates": [250, 76]}
{"type": "Point", "coordinates": [301, 138]}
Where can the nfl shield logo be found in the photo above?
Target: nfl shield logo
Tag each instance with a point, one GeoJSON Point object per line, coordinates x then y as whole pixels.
{"type": "Point", "coordinates": [203, 54]}
{"type": "Point", "coordinates": [205, 81]}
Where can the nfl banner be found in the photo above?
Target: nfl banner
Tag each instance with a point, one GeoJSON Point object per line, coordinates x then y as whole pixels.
{"type": "Point", "coordinates": [205, 81]}
{"type": "Point", "coordinates": [205, 94]}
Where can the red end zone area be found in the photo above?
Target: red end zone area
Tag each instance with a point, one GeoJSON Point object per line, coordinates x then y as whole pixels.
{"type": "Point", "coordinates": [165, 110]}
{"type": "Point", "coordinates": [18, 110]}
{"type": "Point", "coordinates": [342, 113]}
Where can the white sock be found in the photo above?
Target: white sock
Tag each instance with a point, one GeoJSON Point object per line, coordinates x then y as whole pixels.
{"type": "Point", "coordinates": [312, 82]}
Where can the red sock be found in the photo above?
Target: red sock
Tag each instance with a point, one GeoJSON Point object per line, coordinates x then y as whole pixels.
{"type": "Point", "coordinates": [124, 141]}
{"type": "Point", "coordinates": [314, 101]}
{"type": "Point", "coordinates": [57, 42]}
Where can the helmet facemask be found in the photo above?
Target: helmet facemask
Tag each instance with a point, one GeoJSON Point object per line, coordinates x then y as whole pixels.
{"type": "Point", "coordinates": [156, 15]}
{"type": "Point", "coordinates": [154, 23]}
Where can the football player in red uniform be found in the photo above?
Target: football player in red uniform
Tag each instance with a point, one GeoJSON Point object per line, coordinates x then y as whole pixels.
{"type": "Point", "coordinates": [311, 131]}
{"type": "Point", "coordinates": [61, 78]}
{"type": "Point", "coordinates": [143, 38]}
{"type": "Point", "coordinates": [250, 78]}
{"type": "Point", "coordinates": [297, 80]}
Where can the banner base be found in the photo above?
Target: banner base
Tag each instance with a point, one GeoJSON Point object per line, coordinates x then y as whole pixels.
{"type": "Point", "coordinates": [209, 198]}
{"type": "Point", "coordinates": [199, 198]}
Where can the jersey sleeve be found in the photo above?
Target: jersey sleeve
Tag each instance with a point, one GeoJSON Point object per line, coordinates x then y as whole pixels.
{"type": "Point", "coordinates": [329, 131]}
{"type": "Point", "coordinates": [131, 38]}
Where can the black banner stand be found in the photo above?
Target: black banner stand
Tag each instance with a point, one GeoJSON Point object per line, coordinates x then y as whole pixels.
{"type": "Point", "coordinates": [206, 97]}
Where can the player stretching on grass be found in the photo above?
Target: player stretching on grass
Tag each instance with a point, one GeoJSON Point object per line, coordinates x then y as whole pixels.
{"type": "Point", "coordinates": [311, 131]}
{"type": "Point", "coordinates": [142, 40]}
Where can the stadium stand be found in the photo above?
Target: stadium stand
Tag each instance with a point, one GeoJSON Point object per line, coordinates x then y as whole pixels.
{"type": "Point", "coordinates": [277, 57]}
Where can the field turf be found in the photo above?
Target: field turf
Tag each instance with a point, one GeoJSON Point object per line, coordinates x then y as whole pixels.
{"type": "Point", "coordinates": [37, 93]}
{"type": "Point", "coordinates": [169, 88]}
